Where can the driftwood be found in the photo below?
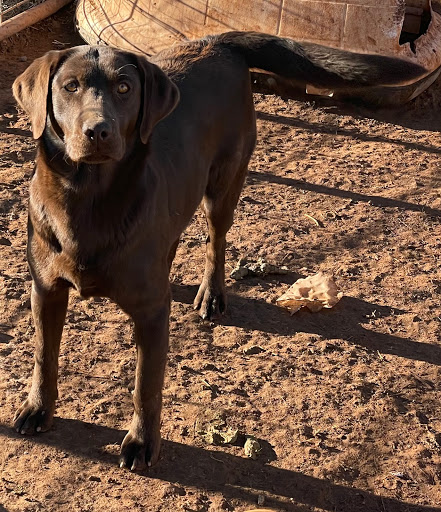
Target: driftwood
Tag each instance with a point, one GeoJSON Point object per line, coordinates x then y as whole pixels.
{"type": "Point", "coordinates": [30, 17]}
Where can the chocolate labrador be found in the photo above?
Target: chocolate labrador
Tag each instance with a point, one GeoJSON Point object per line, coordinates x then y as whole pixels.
{"type": "Point", "coordinates": [127, 150]}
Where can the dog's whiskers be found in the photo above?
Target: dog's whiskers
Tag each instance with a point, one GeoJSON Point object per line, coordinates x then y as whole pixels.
{"type": "Point", "coordinates": [56, 154]}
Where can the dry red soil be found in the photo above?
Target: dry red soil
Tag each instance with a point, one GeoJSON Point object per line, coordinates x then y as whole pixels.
{"type": "Point", "coordinates": [345, 403]}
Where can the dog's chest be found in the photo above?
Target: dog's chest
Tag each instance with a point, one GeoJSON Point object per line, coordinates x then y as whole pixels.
{"type": "Point", "coordinates": [89, 282]}
{"type": "Point", "coordinates": [89, 279]}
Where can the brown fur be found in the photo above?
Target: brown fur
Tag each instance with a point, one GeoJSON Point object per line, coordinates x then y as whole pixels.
{"type": "Point", "coordinates": [121, 168]}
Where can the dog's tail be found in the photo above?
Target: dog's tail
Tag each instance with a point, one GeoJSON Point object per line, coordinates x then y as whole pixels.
{"type": "Point", "coordinates": [315, 64]}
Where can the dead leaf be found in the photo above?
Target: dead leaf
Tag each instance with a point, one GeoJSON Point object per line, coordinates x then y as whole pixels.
{"type": "Point", "coordinates": [314, 292]}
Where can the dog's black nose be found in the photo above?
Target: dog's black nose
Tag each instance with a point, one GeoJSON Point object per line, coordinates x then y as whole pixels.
{"type": "Point", "coordinates": [98, 133]}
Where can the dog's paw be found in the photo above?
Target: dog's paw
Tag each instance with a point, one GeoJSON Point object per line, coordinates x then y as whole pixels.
{"type": "Point", "coordinates": [137, 453]}
{"type": "Point", "coordinates": [33, 417]}
{"type": "Point", "coordinates": [210, 304]}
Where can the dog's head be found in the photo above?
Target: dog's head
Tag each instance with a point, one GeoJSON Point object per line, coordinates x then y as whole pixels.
{"type": "Point", "coordinates": [95, 99]}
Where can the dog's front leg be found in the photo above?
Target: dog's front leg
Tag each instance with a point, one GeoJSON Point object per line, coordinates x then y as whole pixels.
{"type": "Point", "coordinates": [141, 445]}
{"type": "Point", "coordinates": [49, 312]}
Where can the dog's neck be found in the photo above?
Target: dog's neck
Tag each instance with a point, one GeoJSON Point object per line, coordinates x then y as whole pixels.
{"type": "Point", "coordinates": [110, 194]}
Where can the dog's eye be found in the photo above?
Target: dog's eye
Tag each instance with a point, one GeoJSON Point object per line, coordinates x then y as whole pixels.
{"type": "Point", "coordinates": [123, 88]}
{"type": "Point", "coordinates": [71, 86]}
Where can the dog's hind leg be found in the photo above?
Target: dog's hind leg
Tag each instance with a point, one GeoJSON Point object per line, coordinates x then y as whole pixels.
{"type": "Point", "coordinates": [218, 204]}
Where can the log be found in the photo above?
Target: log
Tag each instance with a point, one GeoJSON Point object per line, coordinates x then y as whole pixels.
{"type": "Point", "coordinates": [27, 18]}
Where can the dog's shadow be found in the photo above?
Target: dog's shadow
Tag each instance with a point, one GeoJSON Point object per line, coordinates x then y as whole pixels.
{"type": "Point", "coordinates": [345, 321]}
{"type": "Point", "coordinates": [236, 478]}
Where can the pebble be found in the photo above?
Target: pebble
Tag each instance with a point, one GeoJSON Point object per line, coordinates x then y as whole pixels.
{"type": "Point", "coordinates": [254, 349]}
{"type": "Point", "coordinates": [251, 448]}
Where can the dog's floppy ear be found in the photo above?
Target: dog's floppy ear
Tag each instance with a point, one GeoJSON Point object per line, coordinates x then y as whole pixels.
{"type": "Point", "coordinates": [160, 96]}
{"type": "Point", "coordinates": [32, 86]}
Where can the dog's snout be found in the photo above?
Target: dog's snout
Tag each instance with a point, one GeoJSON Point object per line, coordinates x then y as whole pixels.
{"type": "Point", "coordinates": [99, 132]}
{"type": "Point", "coordinates": [97, 138]}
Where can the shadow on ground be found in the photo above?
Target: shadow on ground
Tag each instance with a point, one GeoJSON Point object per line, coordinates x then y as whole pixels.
{"type": "Point", "coordinates": [345, 321]}
{"type": "Point", "coordinates": [215, 471]}
{"type": "Point", "coordinates": [382, 202]}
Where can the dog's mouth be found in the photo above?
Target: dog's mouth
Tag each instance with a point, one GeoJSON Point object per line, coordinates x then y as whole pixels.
{"type": "Point", "coordinates": [96, 159]}
{"type": "Point", "coordinates": [80, 150]}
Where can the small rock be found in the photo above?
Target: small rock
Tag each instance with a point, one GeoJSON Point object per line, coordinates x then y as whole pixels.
{"type": "Point", "coordinates": [93, 478]}
{"type": "Point", "coordinates": [252, 448]}
{"type": "Point", "coordinates": [230, 436]}
{"type": "Point", "coordinates": [23, 58]}
{"type": "Point", "coordinates": [254, 349]}
{"type": "Point", "coordinates": [239, 273]}
{"type": "Point", "coordinates": [259, 268]}
{"type": "Point", "coordinates": [212, 437]}
{"type": "Point", "coordinates": [400, 474]}
{"type": "Point", "coordinates": [174, 490]}
{"type": "Point", "coordinates": [219, 438]}
{"type": "Point", "coordinates": [211, 367]}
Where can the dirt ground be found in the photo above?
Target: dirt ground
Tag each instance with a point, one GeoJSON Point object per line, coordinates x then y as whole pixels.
{"type": "Point", "coordinates": [345, 403]}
